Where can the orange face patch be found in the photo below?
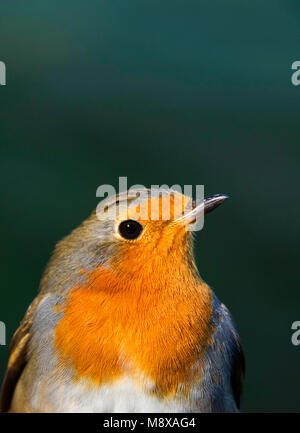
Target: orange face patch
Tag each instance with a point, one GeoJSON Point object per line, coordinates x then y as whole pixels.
{"type": "Point", "coordinates": [146, 315]}
{"type": "Point", "coordinates": [163, 207]}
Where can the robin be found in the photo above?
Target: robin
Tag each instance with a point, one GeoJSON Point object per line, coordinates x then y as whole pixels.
{"type": "Point", "coordinates": [124, 323]}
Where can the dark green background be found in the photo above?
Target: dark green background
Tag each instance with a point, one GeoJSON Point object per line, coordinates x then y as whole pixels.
{"type": "Point", "coordinates": [186, 92]}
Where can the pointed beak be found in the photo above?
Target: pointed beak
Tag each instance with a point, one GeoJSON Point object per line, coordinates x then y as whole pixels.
{"type": "Point", "coordinates": [209, 204]}
{"type": "Point", "coordinates": [213, 201]}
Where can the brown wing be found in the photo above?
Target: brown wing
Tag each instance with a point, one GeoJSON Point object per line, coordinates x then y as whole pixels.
{"type": "Point", "coordinates": [17, 358]}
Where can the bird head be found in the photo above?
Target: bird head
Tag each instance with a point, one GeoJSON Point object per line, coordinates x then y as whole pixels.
{"type": "Point", "coordinates": [131, 234]}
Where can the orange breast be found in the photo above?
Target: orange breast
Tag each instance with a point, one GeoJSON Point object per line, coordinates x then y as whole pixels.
{"type": "Point", "coordinates": [114, 326]}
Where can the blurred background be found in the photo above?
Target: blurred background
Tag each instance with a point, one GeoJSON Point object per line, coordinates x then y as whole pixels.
{"type": "Point", "coordinates": [164, 92]}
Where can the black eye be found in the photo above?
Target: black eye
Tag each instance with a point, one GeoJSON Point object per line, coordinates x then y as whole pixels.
{"type": "Point", "coordinates": [130, 229]}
